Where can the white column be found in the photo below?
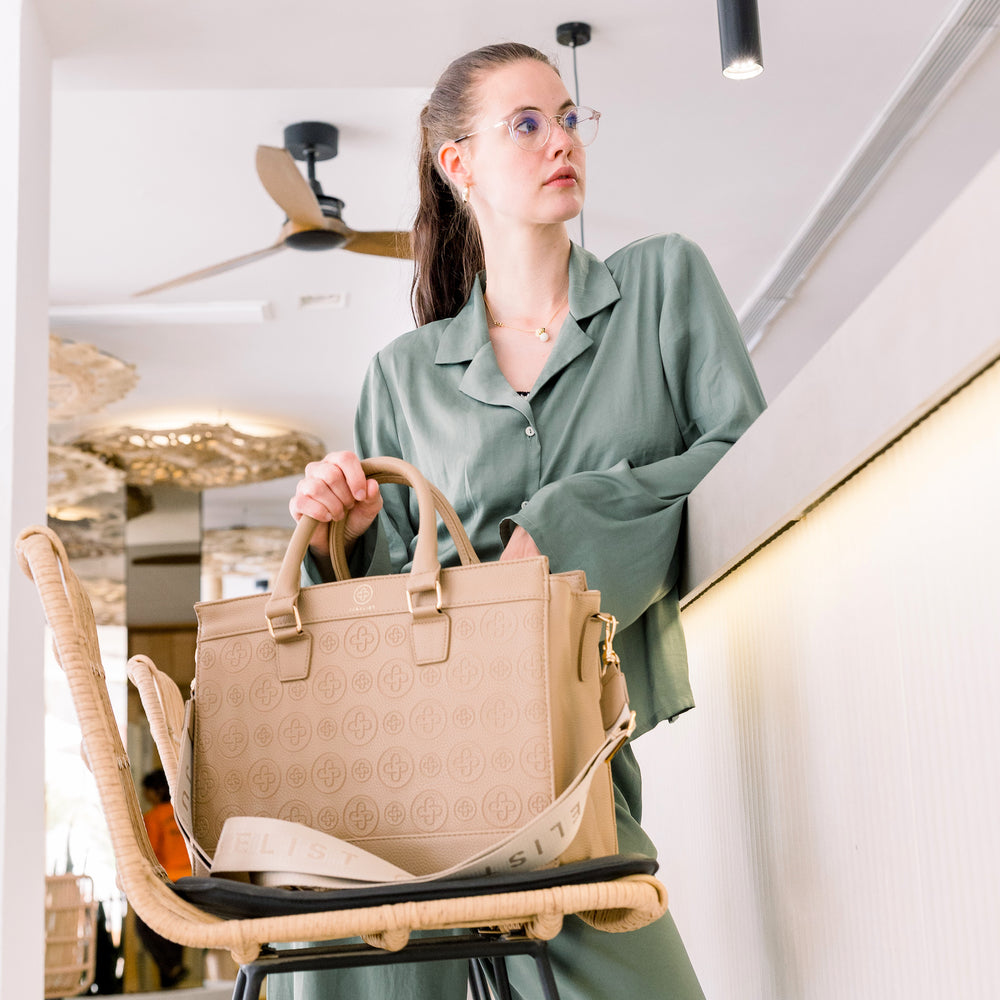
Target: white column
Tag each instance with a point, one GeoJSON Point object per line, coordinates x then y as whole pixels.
{"type": "Point", "coordinates": [25, 84]}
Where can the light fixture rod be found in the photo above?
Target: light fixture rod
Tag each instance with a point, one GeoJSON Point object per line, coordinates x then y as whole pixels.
{"type": "Point", "coordinates": [739, 36]}
{"type": "Point", "coordinates": [575, 34]}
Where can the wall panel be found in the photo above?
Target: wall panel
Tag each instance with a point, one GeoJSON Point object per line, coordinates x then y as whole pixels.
{"type": "Point", "coordinates": [829, 815]}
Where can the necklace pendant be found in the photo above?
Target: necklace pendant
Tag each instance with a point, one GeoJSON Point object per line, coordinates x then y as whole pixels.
{"type": "Point", "coordinates": [542, 334]}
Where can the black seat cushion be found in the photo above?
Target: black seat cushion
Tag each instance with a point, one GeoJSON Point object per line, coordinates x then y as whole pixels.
{"type": "Point", "coordinates": [239, 900]}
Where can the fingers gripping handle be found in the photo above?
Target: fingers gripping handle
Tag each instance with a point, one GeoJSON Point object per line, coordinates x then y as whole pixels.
{"type": "Point", "coordinates": [394, 470]}
{"type": "Point", "coordinates": [281, 609]}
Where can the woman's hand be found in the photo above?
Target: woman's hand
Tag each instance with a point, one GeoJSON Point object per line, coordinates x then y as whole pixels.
{"type": "Point", "coordinates": [520, 545]}
{"type": "Point", "coordinates": [333, 489]}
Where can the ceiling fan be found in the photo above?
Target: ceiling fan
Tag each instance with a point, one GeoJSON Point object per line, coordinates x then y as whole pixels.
{"type": "Point", "coordinates": [313, 220]}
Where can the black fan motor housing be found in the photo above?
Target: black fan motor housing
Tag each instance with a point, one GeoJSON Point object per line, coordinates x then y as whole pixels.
{"type": "Point", "coordinates": [320, 239]}
{"type": "Point", "coordinates": [315, 239]}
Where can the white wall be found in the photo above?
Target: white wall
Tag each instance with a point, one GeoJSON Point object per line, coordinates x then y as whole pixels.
{"type": "Point", "coordinates": [25, 71]}
{"type": "Point", "coordinates": [828, 815]}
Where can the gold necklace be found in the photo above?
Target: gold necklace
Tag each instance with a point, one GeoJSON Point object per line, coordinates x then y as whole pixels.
{"type": "Point", "coordinates": [542, 332]}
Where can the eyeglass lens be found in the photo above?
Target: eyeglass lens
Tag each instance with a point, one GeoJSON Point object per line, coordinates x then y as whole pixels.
{"type": "Point", "coordinates": [530, 129]}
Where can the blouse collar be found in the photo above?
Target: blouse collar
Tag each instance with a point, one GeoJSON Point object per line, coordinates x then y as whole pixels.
{"type": "Point", "coordinates": [591, 289]}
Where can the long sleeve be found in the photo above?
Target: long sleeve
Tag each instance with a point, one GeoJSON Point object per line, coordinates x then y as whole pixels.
{"type": "Point", "coordinates": [622, 524]}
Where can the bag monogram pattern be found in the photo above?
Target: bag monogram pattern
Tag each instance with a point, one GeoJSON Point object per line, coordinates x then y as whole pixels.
{"type": "Point", "coordinates": [414, 730]}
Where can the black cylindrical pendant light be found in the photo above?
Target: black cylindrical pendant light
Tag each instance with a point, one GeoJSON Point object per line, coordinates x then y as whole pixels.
{"type": "Point", "coordinates": [739, 34]}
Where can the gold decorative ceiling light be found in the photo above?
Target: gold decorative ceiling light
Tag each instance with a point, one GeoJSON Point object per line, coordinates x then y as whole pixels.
{"type": "Point", "coordinates": [253, 552]}
{"type": "Point", "coordinates": [75, 476]}
{"type": "Point", "coordinates": [83, 379]}
{"type": "Point", "coordinates": [92, 529]}
{"type": "Point", "coordinates": [201, 456]}
{"type": "Point", "coordinates": [107, 598]}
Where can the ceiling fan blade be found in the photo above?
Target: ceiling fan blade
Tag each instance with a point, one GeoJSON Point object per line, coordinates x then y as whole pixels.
{"type": "Point", "coordinates": [286, 185]}
{"type": "Point", "coordinates": [381, 243]}
{"type": "Point", "coordinates": [336, 225]}
{"type": "Point", "coordinates": [208, 272]}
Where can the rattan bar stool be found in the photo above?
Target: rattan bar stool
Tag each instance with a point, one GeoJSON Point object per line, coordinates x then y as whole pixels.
{"type": "Point", "coordinates": [70, 934]}
{"type": "Point", "coordinates": [513, 914]}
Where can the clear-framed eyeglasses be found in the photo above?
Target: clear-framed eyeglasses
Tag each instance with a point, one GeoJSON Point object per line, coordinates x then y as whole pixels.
{"type": "Point", "coordinates": [530, 129]}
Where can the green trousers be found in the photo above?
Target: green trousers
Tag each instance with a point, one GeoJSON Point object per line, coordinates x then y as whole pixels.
{"type": "Point", "coordinates": [647, 964]}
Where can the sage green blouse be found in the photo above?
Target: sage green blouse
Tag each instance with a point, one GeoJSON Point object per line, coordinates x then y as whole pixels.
{"type": "Point", "coordinates": [647, 385]}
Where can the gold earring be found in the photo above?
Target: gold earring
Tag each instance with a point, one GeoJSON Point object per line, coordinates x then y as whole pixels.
{"type": "Point", "coordinates": [465, 195]}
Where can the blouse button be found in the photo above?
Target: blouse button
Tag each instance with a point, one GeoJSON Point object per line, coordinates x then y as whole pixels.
{"type": "Point", "coordinates": [524, 503]}
{"type": "Point", "coordinates": [530, 431]}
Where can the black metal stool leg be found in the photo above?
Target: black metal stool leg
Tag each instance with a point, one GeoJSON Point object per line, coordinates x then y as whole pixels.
{"type": "Point", "coordinates": [252, 982]}
{"type": "Point", "coordinates": [239, 987]}
{"type": "Point", "coordinates": [538, 950]}
{"type": "Point", "coordinates": [549, 989]}
{"type": "Point", "coordinates": [500, 974]}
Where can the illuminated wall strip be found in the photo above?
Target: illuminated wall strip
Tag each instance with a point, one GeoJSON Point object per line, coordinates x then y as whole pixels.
{"type": "Point", "coordinates": [828, 816]}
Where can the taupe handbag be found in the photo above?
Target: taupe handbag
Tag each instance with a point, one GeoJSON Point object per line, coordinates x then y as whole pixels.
{"type": "Point", "coordinates": [441, 720]}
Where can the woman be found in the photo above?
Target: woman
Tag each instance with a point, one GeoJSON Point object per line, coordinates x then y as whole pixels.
{"type": "Point", "coordinates": [565, 406]}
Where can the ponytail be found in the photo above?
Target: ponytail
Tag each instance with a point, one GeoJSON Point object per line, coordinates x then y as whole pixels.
{"type": "Point", "coordinates": [447, 247]}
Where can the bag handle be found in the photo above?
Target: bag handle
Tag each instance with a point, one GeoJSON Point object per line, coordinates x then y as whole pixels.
{"type": "Point", "coordinates": [281, 609]}
{"type": "Point", "coordinates": [466, 553]}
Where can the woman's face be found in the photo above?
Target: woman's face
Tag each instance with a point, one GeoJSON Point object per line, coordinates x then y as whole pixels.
{"type": "Point", "coordinates": [508, 184]}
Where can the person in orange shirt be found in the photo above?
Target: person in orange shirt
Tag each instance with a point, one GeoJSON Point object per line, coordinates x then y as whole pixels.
{"type": "Point", "coordinates": [171, 852]}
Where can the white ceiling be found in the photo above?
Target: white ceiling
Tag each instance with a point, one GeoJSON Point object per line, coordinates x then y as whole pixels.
{"type": "Point", "coordinates": [158, 108]}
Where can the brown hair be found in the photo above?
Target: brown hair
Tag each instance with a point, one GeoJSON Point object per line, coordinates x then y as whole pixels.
{"type": "Point", "coordinates": [447, 248]}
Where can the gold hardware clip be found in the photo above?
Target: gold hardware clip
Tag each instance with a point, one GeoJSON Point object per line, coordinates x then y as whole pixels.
{"type": "Point", "coordinates": [440, 601]}
{"type": "Point", "coordinates": [298, 623]}
{"type": "Point", "coordinates": [609, 658]}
